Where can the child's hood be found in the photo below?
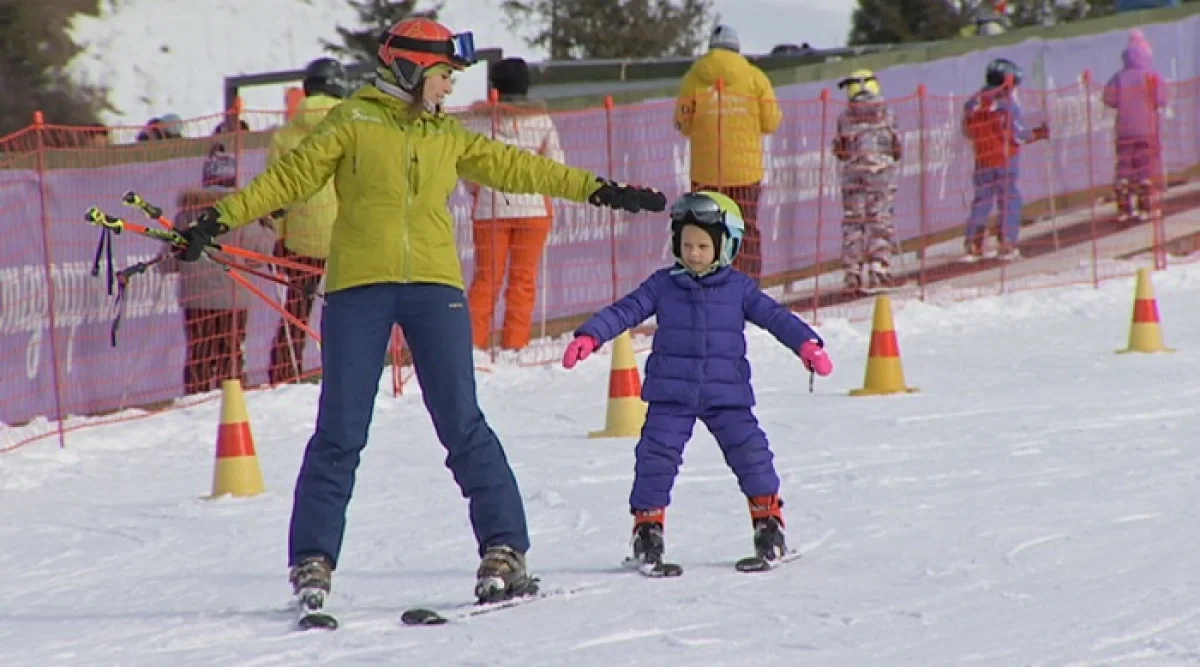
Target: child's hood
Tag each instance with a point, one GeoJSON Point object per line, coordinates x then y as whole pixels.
{"type": "Point", "coordinates": [1137, 54]}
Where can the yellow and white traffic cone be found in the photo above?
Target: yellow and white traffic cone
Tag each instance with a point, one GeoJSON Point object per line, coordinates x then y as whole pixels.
{"type": "Point", "coordinates": [626, 410]}
{"type": "Point", "coordinates": [236, 471]}
{"type": "Point", "coordinates": [1145, 332]}
{"type": "Point", "coordinates": [885, 374]}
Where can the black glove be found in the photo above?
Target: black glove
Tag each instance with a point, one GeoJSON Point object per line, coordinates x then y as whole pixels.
{"type": "Point", "coordinates": [200, 234]}
{"type": "Point", "coordinates": [627, 197]}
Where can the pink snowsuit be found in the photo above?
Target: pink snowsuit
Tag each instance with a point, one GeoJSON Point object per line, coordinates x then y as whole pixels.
{"type": "Point", "coordinates": [1138, 93]}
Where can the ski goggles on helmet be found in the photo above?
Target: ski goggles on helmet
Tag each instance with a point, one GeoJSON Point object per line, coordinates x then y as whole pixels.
{"type": "Point", "coordinates": [458, 49]}
{"type": "Point", "coordinates": [697, 209]}
{"type": "Point", "coordinates": [856, 80]}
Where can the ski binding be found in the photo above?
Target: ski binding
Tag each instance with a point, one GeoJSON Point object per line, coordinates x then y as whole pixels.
{"type": "Point", "coordinates": [654, 570]}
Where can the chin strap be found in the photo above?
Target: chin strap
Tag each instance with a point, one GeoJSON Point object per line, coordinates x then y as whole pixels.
{"type": "Point", "coordinates": [399, 93]}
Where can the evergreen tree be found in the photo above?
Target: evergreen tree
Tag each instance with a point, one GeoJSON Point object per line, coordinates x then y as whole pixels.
{"type": "Point", "coordinates": [899, 21]}
{"type": "Point", "coordinates": [612, 28]}
{"type": "Point", "coordinates": [1040, 12]}
{"type": "Point", "coordinates": [34, 51]}
{"type": "Point", "coordinates": [374, 16]}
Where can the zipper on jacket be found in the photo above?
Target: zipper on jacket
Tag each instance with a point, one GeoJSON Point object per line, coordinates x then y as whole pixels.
{"type": "Point", "coordinates": [703, 336]}
{"type": "Point", "coordinates": [409, 167]}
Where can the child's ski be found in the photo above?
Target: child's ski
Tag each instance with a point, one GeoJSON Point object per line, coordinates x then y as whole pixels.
{"type": "Point", "coordinates": [760, 564]}
{"type": "Point", "coordinates": [654, 570]}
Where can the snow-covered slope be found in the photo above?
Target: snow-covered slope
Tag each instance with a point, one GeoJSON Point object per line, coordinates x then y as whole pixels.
{"type": "Point", "coordinates": [1034, 504]}
{"type": "Point", "coordinates": [162, 56]}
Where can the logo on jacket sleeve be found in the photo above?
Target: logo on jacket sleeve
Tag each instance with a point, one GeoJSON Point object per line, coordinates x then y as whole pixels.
{"type": "Point", "coordinates": [359, 114]}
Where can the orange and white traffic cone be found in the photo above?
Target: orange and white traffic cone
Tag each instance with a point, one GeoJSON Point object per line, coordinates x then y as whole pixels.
{"type": "Point", "coordinates": [626, 410]}
{"type": "Point", "coordinates": [1145, 333]}
{"type": "Point", "coordinates": [236, 472]}
{"type": "Point", "coordinates": [885, 374]}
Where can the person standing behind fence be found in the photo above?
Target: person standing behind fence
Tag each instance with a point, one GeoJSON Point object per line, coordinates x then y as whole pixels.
{"type": "Point", "coordinates": [868, 146]}
{"type": "Point", "coordinates": [1137, 92]}
{"type": "Point", "coordinates": [215, 309]}
{"type": "Point", "coordinates": [510, 229]}
{"type": "Point", "coordinates": [306, 229]}
{"type": "Point", "coordinates": [726, 140]}
{"type": "Point", "coordinates": [992, 122]}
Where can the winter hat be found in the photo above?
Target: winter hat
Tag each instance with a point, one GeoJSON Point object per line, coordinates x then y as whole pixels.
{"type": "Point", "coordinates": [171, 125]}
{"type": "Point", "coordinates": [725, 37]}
{"type": "Point", "coordinates": [1138, 42]}
{"type": "Point", "coordinates": [220, 169]}
{"type": "Point", "coordinates": [511, 77]}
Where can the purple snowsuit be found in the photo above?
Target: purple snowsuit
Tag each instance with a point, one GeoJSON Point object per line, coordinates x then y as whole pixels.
{"type": "Point", "coordinates": [698, 369]}
{"type": "Point", "coordinates": [1137, 92]}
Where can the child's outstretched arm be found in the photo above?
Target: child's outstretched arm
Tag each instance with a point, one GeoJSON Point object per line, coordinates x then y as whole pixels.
{"type": "Point", "coordinates": [787, 328]}
{"type": "Point", "coordinates": [633, 309]}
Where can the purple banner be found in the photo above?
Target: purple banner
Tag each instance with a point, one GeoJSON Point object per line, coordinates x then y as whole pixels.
{"type": "Point", "coordinates": [594, 255]}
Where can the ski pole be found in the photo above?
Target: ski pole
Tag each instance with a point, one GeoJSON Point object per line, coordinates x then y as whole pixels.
{"type": "Point", "coordinates": [272, 277]}
{"type": "Point", "coordinates": [254, 289]}
{"type": "Point", "coordinates": [288, 339]}
{"type": "Point", "coordinates": [97, 217]}
{"type": "Point", "coordinates": [117, 225]}
{"type": "Point", "coordinates": [134, 200]}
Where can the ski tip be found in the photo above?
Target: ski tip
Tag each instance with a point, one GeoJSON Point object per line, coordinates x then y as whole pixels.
{"type": "Point", "coordinates": [422, 616]}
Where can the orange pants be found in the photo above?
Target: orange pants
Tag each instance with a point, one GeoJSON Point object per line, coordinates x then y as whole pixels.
{"type": "Point", "coordinates": [515, 244]}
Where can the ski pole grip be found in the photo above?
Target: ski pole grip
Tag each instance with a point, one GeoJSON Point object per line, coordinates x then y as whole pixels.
{"type": "Point", "coordinates": [135, 200]}
{"type": "Point", "coordinates": [97, 217]}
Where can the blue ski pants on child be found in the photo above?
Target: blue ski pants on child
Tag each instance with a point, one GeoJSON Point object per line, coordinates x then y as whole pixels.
{"type": "Point", "coordinates": [659, 452]}
{"type": "Point", "coordinates": [356, 326]}
{"type": "Point", "coordinates": [999, 186]}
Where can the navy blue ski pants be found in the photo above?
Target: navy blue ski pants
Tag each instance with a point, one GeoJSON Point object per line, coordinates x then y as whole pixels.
{"type": "Point", "coordinates": [668, 428]}
{"type": "Point", "coordinates": [356, 326]}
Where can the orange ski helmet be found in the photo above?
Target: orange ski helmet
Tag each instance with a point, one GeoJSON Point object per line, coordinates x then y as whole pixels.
{"type": "Point", "coordinates": [413, 45]}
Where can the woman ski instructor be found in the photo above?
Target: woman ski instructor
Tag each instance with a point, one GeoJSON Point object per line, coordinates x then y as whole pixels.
{"type": "Point", "coordinates": [395, 159]}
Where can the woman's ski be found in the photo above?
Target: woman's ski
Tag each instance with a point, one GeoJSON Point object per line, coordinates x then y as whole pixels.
{"type": "Point", "coordinates": [456, 614]}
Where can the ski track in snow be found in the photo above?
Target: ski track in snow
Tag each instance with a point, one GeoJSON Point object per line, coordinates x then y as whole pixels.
{"type": "Point", "coordinates": [1035, 504]}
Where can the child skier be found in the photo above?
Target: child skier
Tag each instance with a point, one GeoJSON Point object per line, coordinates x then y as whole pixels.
{"type": "Point", "coordinates": [868, 145]}
{"type": "Point", "coordinates": [992, 122]}
{"type": "Point", "coordinates": [1137, 92]}
{"type": "Point", "coordinates": [698, 369]}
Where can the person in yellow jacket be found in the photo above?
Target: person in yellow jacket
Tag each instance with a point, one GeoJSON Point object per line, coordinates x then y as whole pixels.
{"type": "Point", "coordinates": [395, 159]}
{"type": "Point", "coordinates": [726, 106]}
{"type": "Point", "coordinates": [305, 230]}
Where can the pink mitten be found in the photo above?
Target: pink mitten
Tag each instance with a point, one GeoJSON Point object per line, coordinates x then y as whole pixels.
{"type": "Point", "coordinates": [815, 358]}
{"type": "Point", "coordinates": [578, 350]}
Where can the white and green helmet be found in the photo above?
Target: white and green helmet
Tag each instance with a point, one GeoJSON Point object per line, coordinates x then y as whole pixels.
{"type": "Point", "coordinates": [716, 214]}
